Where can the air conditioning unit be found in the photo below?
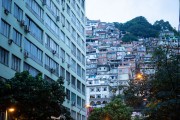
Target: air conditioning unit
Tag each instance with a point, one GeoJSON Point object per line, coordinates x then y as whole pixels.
{"type": "Point", "coordinates": [6, 11]}
{"type": "Point", "coordinates": [26, 54]}
{"type": "Point", "coordinates": [44, 2]}
{"type": "Point", "coordinates": [63, 60]}
{"type": "Point", "coordinates": [73, 103]}
{"type": "Point", "coordinates": [52, 70]}
{"type": "Point", "coordinates": [68, 65]}
{"type": "Point", "coordinates": [22, 23]}
{"type": "Point", "coordinates": [63, 25]}
{"type": "Point", "coordinates": [10, 41]}
{"type": "Point", "coordinates": [63, 8]}
{"type": "Point", "coordinates": [57, 18]}
{"type": "Point", "coordinates": [26, 28]}
{"type": "Point", "coordinates": [54, 51]}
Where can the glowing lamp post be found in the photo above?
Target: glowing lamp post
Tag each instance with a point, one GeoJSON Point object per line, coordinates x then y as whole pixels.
{"type": "Point", "coordinates": [9, 110]}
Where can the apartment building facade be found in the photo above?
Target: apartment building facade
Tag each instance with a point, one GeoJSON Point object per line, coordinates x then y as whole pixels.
{"type": "Point", "coordinates": [46, 36]}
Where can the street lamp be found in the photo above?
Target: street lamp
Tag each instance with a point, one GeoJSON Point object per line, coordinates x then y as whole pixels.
{"type": "Point", "coordinates": [10, 110]}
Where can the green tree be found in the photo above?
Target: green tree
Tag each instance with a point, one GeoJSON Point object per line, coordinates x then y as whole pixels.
{"type": "Point", "coordinates": [33, 97]}
{"type": "Point", "coordinates": [164, 99]}
{"type": "Point", "coordinates": [115, 110]}
{"type": "Point", "coordinates": [129, 38]}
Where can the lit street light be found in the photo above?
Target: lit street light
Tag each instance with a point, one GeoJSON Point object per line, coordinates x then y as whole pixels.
{"type": "Point", "coordinates": [10, 110]}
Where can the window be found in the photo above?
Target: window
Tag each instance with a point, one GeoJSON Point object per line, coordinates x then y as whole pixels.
{"type": "Point", "coordinates": [35, 8]}
{"type": "Point", "coordinates": [68, 58]}
{"type": "Point", "coordinates": [62, 72]}
{"type": "Point", "coordinates": [82, 17]}
{"type": "Point", "coordinates": [68, 42]}
{"type": "Point", "coordinates": [34, 72]}
{"type": "Point", "coordinates": [73, 114]}
{"type": "Point", "coordinates": [35, 30]}
{"type": "Point", "coordinates": [67, 94]}
{"type": "Point", "coordinates": [105, 88]}
{"type": "Point", "coordinates": [6, 4]}
{"type": "Point", "coordinates": [33, 51]}
{"type": "Point", "coordinates": [73, 81]}
{"type": "Point", "coordinates": [62, 19]}
{"type": "Point", "coordinates": [68, 10]}
{"type": "Point", "coordinates": [73, 34]}
{"type": "Point", "coordinates": [51, 65]}
{"type": "Point", "coordinates": [68, 26]}
{"type": "Point", "coordinates": [17, 37]}
{"type": "Point", "coordinates": [78, 55]}
{"type": "Point", "coordinates": [78, 102]}
{"type": "Point", "coordinates": [83, 74]}
{"type": "Point", "coordinates": [78, 70]}
{"type": "Point", "coordinates": [83, 3]}
{"type": "Point", "coordinates": [73, 49]}
{"type": "Point", "coordinates": [52, 8]}
{"type": "Point", "coordinates": [78, 116]}
{"type": "Point", "coordinates": [78, 85]}
{"type": "Point", "coordinates": [73, 18]}
{"type": "Point", "coordinates": [62, 54]}
{"type": "Point", "coordinates": [83, 59]}
{"type": "Point", "coordinates": [67, 76]}
{"type": "Point", "coordinates": [62, 35]}
{"type": "Point", "coordinates": [16, 63]}
{"type": "Point", "coordinates": [83, 89]}
{"type": "Point", "coordinates": [4, 56]}
{"type": "Point", "coordinates": [51, 25]}
{"type": "Point", "coordinates": [18, 13]}
{"type": "Point", "coordinates": [73, 65]}
{"type": "Point", "coordinates": [73, 99]}
{"type": "Point", "coordinates": [51, 45]}
{"type": "Point", "coordinates": [92, 89]}
{"type": "Point", "coordinates": [98, 89]}
{"type": "Point", "coordinates": [5, 28]}
{"type": "Point", "coordinates": [83, 102]}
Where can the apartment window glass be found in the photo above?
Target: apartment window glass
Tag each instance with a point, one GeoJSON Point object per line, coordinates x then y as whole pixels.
{"type": "Point", "coordinates": [51, 45]}
{"type": "Point", "coordinates": [78, 55]}
{"type": "Point", "coordinates": [51, 25]}
{"type": "Point", "coordinates": [7, 4]}
{"type": "Point", "coordinates": [73, 18]}
{"type": "Point", "coordinates": [51, 65]}
{"type": "Point", "coordinates": [33, 51]}
{"type": "Point", "coordinates": [78, 102]}
{"type": "Point", "coordinates": [73, 34]}
{"type": "Point", "coordinates": [73, 81]}
{"type": "Point", "coordinates": [83, 102]}
{"type": "Point", "coordinates": [62, 36]}
{"type": "Point", "coordinates": [18, 12]}
{"type": "Point", "coordinates": [83, 89]}
{"type": "Point", "coordinates": [16, 63]}
{"type": "Point", "coordinates": [73, 65]}
{"type": "Point", "coordinates": [83, 59]}
{"type": "Point", "coordinates": [83, 74]}
{"type": "Point", "coordinates": [62, 72]}
{"type": "Point", "coordinates": [5, 28]}
{"type": "Point", "coordinates": [73, 98]}
{"type": "Point", "coordinates": [34, 72]}
{"type": "Point", "coordinates": [17, 37]}
{"type": "Point", "coordinates": [73, 114]}
{"type": "Point", "coordinates": [68, 26]}
{"type": "Point", "coordinates": [73, 49]}
{"type": "Point", "coordinates": [52, 7]}
{"type": "Point", "coordinates": [35, 8]}
{"type": "Point", "coordinates": [68, 10]}
{"type": "Point", "coordinates": [67, 76]}
{"type": "Point", "coordinates": [62, 54]}
{"type": "Point", "coordinates": [78, 70]}
{"type": "Point", "coordinates": [35, 30]}
{"type": "Point", "coordinates": [4, 56]}
{"type": "Point", "coordinates": [68, 42]}
{"type": "Point", "coordinates": [78, 85]}
{"type": "Point", "coordinates": [62, 19]}
{"type": "Point", "coordinates": [67, 94]}
{"type": "Point", "coordinates": [68, 58]}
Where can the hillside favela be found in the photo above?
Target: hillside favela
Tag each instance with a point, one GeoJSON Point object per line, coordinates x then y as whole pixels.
{"type": "Point", "coordinates": [58, 64]}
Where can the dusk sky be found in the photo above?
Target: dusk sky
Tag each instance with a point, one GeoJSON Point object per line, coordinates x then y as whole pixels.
{"type": "Point", "coordinates": [125, 10]}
